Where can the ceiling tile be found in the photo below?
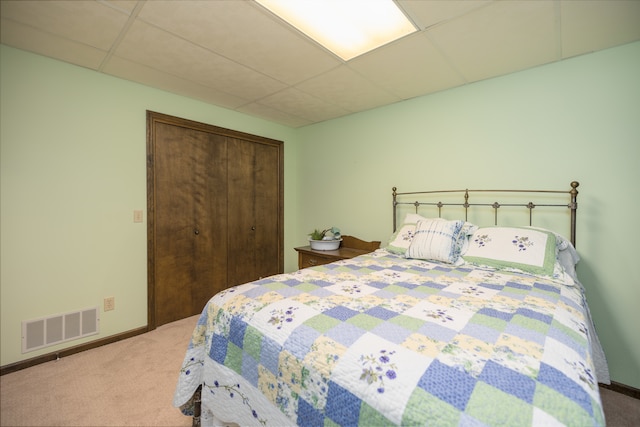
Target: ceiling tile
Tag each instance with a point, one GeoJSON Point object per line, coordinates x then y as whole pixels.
{"type": "Point", "coordinates": [344, 87]}
{"type": "Point", "coordinates": [501, 38]}
{"type": "Point", "coordinates": [28, 38]}
{"type": "Point", "coordinates": [298, 103]}
{"type": "Point", "coordinates": [408, 68]}
{"type": "Point", "coordinates": [88, 22]}
{"type": "Point", "coordinates": [245, 33]}
{"type": "Point", "coordinates": [591, 25]}
{"type": "Point", "coordinates": [128, 70]}
{"type": "Point", "coordinates": [432, 12]}
{"type": "Point", "coordinates": [238, 55]}
{"type": "Point", "coordinates": [158, 49]}
{"type": "Point", "coordinates": [269, 113]}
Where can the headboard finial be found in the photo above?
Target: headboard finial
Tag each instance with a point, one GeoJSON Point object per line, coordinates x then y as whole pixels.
{"type": "Point", "coordinates": [574, 195]}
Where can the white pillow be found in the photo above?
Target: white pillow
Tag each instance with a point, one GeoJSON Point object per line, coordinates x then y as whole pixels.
{"type": "Point", "coordinates": [513, 248]}
{"type": "Point", "coordinates": [437, 239]}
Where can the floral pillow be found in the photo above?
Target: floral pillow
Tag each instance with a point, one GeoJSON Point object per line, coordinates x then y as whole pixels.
{"type": "Point", "coordinates": [514, 248]}
{"type": "Point", "coordinates": [402, 238]}
{"type": "Point", "coordinates": [437, 239]}
{"type": "Point", "coordinates": [567, 256]}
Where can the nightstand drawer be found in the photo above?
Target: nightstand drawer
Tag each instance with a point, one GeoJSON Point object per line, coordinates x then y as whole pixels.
{"type": "Point", "coordinates": [311, 260]}
{"type": "Point", "coordinates": [350, 247]}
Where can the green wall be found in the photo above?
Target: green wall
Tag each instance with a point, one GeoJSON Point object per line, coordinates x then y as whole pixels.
{"type": "Point", "coordinates": [541, 128]}
{"type": "Point", "coordinates": [73, 147]}
{"type": "Point", "coordinates": [73, 153]}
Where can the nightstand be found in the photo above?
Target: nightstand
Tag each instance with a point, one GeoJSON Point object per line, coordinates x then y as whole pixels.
{"type": "Point", "coordinates": [349, 247]}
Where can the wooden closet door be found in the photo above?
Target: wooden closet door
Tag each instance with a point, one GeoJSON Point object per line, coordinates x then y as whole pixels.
{"type": "Point", "coordinates": [190, 220]}
{"type": "Point", "coordinates": [253, 211]}
{"type": "Point", "coordinates": [215, 213]}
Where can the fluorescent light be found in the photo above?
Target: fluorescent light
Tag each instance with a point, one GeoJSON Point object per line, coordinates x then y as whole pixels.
{"type": "Point", "coordinates": [348, 28]}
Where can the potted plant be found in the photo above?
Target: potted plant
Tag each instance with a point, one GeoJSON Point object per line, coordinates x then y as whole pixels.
{"type": "Point", "coordinates": [325, 240]}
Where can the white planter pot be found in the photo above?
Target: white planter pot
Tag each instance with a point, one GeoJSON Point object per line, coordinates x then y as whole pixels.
{"type": "Point", "coordinates": [325, 245]}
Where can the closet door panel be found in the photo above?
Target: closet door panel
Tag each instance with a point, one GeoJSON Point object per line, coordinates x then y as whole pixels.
{"type": "Point", "coordinates": [189, 215]}
{"type": "Point", "coordinates": [241, 212]}
{"type": "Point", "coordinates": [267, 210]}
{"type": "Point", "coordinates": [173, 239]}
{"type": "Point", "coordinates": [209, 221]}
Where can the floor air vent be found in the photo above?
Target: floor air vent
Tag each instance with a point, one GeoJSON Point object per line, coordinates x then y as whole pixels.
{"type": "Point", "coordinates": [47, 331]}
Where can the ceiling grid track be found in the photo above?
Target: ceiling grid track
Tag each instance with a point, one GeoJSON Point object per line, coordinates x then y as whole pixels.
{"type": "Point", "coordinates": [123, 33]}
{"type": "Point", "coordinates": [558, 16]}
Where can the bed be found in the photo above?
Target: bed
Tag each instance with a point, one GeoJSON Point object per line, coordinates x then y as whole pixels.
{"type": "Point", "coordinates": [450, 323]}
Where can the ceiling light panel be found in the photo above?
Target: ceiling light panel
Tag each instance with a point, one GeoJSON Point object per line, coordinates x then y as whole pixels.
{"type": "Point", "coordinates": [347, 28]}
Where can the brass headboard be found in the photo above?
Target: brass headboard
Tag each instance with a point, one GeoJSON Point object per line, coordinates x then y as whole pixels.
{"type": "Point", "coordinates": [466, 204]}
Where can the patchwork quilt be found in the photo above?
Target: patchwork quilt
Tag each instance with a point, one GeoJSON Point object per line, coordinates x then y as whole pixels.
{"type": "Point", "coordinates": [384, 340]}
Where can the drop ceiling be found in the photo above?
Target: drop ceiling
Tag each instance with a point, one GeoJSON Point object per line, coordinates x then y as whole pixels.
{"type": "Point", "coordinates": [237, 55]}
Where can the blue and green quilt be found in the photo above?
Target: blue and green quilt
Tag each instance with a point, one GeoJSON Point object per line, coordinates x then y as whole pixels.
{"type": "Point", "coordinates": [385, 340]}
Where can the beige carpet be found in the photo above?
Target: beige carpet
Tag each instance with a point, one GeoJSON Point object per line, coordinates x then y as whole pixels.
{"type": "Point", "coordinates": [127, 383]}
{"type": "Point", "coordinates": [131, 383]}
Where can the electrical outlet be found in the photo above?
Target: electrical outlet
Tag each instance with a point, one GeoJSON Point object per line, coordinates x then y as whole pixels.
{"type": "Point", "coordinates": [109, 303]}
